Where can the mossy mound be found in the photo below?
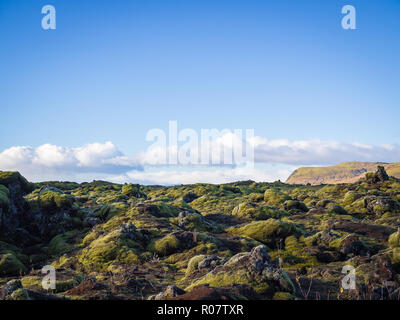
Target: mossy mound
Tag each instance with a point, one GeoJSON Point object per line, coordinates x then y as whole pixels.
{"type": "Point", "coordinates": [394, 240]}
{"type": "Point", "coordinates": [158, 209]}
{"type": "Point", "coordinates": [11, 177]}
{"type": "Point", "coordinates": [166, 245]}
{"type": "Point", "coordinates": [10, 265]}
{"type": "Point", "coordinates": [210, 203]}
{"type": "Point", "coordinates": [274, 197]}
{"type": "Point", "coordinates": [254, 211]}
{"type": "Point", "coordinates": [295, 205]}
{"type": "Point", "coordinates": [20, 294]}
{"type": "Point", "coordinates": [132, 190]}
{"type": "Point", "coordinates": [193, 221]}
{"type": "Point", "coordinates": [358, 206]}
{"type": "Point", "coordinates": [111, 249]}
{"type": "Point", "coordinates": [396, 257]}
{"type": "Point", "coordinates": [58, 245]}
{"type": "Point", "coordinates": [250, 268]}
{"type": "Point", "coordinates": [32, 282]}
{"type": "Point", "coordinates": [269, 232]}
{"type": "Point", "coordinates": [193, 264]}
{"type": "Point", "coordinates": [350, 197]}
{"type": "Point", "coordinates": [335, 208]}
{"type": "Point", "coordinates": [35, 283]}
{"type": "Point", "coordinates": [51, 201]}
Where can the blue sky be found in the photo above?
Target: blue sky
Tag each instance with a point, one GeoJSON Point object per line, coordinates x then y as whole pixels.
{"type": "Point", "coordinates": [112, 70]}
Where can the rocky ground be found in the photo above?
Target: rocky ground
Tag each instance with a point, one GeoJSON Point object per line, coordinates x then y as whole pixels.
{"type": "Point", "coordinates": [242, 240]}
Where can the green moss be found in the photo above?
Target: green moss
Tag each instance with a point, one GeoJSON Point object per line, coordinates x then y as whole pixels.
{"type": "Point", "coordinates": [62, 286]}
{"type": "Point", "coordinates": [194, 222]}
{"type": "Point", "coordinates": [11, 265]}
{"type": "Point", "coordinates": [166, 245]}
{"type": "Point", "coordinates": [256, 212]}
{"type": "Point", "coordinates": [130, 190]}
{"type": "Point", "coordinates": [282, 296]}
{"type": "Point", "coordinates": [193, 263]}
{"type": "Point", "coordinates": [269, 232]}
{"type": "Point", "coordinates": [335, 208]}
{"type": "Point", "coordinates": [226, 188]}
{"type": "Point", "coordinates": [291, 244]}
{"type": "Point", "coordinates": [36, 258]}
{"type": "Point", "coordinates": [64, 262]}
{"type": "Point", "coordinates": [51, 201]}
{"type": "Point", "coordinates": [35, 283]}
{"type": "Point", "coordinates": [32, 282]}
{"type": "Point", "coordinates": [294, 205]}
{"type": "Point", "coordinates": [4, 189]}
{"type": "Point", "coordinates": [58, 245]}
{"type": "Point", "coordinates": [8, 177]}
{"type": "Point", "coordinates": [108, 250]}
{"type": "Point", "coordinates": [256, 197]}
{"type": "Point", "coordinates": [20, 294]}
{"type": "Point", "coordinates": [328, 191]}
{"type": "Point", "coordinates": [349, 198]}
{"type": "Point", "coordinates": [274, 197]}
{"type": "Point", "coordinates": [203, 248]}
{"type": "Point", "coordinates": [228, 278]}
{"type": "Point", "coordinates": [396, 256]}
{"type": "Point", "coordinates": [370, 175]}
{"type": "Point", "coordinates": [7, 248]}
{"type": "Point", "coordinates": [89, 238]}
{"type": "Point", "coordinates": [4, 200]}
{"type": "Point", "coordinates": [357, 206]}
{"type": "Point", "coordinates": [103, 212]}
{"type": "Point", "coordinates": [394, 240]}
{"type": "Point", "coordinates": [318, 239]}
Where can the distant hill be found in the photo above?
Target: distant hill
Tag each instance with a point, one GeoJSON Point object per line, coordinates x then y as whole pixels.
{"type": "Point", "coordinates": [345, 172]}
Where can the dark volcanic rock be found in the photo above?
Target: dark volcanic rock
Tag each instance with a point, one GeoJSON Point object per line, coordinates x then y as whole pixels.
{"type": "Point", "coordinates": [9, 288]}
{"type": "Point", "coordinates": [189, 197]}
{"type": "Point", "coordinates": [352, 246]}
{"type": "Point", "coordinates": [170, 292]}
{"type": "Point", "coordinates": [381, 174]}
{"type": "Point", "coordinates": [205, 292]}
{"type": "Point", "coordinates": [17, 212]}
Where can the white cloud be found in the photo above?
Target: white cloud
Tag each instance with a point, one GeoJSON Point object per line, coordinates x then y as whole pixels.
{"type": "Point", "coordinates": [105, 161]}
{"type": "Point", "coordinates": [53, 161]}
{"type": "Point", "coordinates": [96, 154]}
{"type": "Point", "coordinates": [312, 152]}
{"type": "Point", "coordinates": [298, 152]}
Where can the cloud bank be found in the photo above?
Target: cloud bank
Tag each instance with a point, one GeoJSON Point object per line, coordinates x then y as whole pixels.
{"type": "Point", "coordinates": [106, 161]}
{"type": "Point", "coordinates": [317, 152]}
{"type": "Point", "coordinates": [47, 161]}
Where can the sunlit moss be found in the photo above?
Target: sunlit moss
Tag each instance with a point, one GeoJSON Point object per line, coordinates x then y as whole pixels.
{"type": "Point", "coordinates": [270, 232]}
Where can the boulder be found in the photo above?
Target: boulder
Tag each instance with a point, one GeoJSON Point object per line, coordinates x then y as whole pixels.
{"type": "Point", "coordinates": [294, 205]}
{"type": "Point", "coordinates": [10, 265]}
{"type": "Point", "coordinates": [170, 292]}
{"type": "Point", "coordinates": [9, 288]}
{"type": "Point", "coordinates": [254, 269]}
{"type": "Point", "coordinates": [14, 210]}
{"type": "Point", "coordinates": [189, 197]}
